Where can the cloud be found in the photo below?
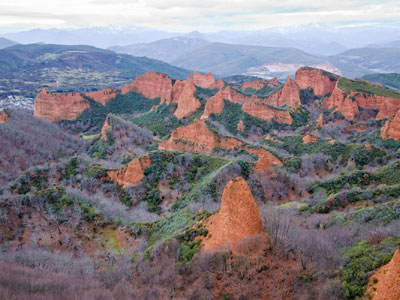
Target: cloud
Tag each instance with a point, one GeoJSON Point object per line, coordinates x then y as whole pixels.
{"type": "Point", "coordinates": [207, 15]}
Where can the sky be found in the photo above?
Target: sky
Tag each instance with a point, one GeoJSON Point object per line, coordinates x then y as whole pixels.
{"type": "Point", "coordinates": [202, 15]}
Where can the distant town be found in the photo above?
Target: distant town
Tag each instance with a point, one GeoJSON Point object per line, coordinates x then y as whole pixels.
{"type": "Point", "coordinates": [17, 102]}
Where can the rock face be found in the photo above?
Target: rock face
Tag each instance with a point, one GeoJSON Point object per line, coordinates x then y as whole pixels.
{"type": "Point", "coordinates": [308, 138]}
{"type": "Point", "coordinates": [391, 129]}
{"type": "Point", "coordinates": [343, 103]}
{"type": "Point", "coordinates": [289, 95]}
{"type": "Point", "coordinates": [55, 107]}
{"type": "Point", "coordinates": [183, 96]}
{"type": "Point", "coordinates": [203, 81]}
{"type": "Point", "coordinates": [214, 105]}
{"type": "Point", "coordinates": [106, 127]}
{"type": "Point", "coordinates": [131, 174]}
{"type": "Point", "coordinates": [387, 287]}
{"type": "Point", "coordinates": [4, 117]}
{"type": "Point", "coordinates": [267, 113]}
{"type": "Point", "coordinates": [320, 121]}
{"type": "Point", "coordinates": [103, 96]}
{"type": "Point", "coordinates": [240, 126]}
{"type": "Point", "coordinates": [196, 137]}
{"type": "Point", "coordinates": [151, 85]}
{"type": "Point", "coordinates": [320, 81]}
{"type": "Point", "coordinates": [237, 219]}
{"type": "Point", "coordinates": [266, 159]}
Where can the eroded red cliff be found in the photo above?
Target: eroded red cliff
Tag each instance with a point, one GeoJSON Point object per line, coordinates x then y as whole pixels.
{"type": "Point", "coordinates": [384, 284]}
{"type": "Point", "coordinates": [266, 159]}
{"type": "Point", "coordinates": [288, 95]}
{"type": "Point", "coordinates": [151, 85]}
{"type": "Point", "coordinates": [267, 113]}
{"type": "Point", "coordinates": [320, 81]}
{"type": "Point", "coordinates": [103, 96]}
{"type": "Point", "coordinates": [391, 129]}
{"type": "Point", "coordinates": [183, 96]}
{"type": "Point", "coordinates": [133, 173]}
{"type": "Point", "coordinates": [214, 105]}
{"type": "Point", "coordinates": [237, 219]}
{"type": "Point", "coordinates": [196, 137]}
{"type": "Point", "coordinates": [55, 107]}
{"type": "Point", "coordinates": [4, 116]}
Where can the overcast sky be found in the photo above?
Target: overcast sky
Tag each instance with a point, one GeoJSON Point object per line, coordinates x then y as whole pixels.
{"type": "Point", "coordinates": [188, 15]}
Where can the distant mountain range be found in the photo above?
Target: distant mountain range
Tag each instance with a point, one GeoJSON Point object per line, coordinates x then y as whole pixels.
{"type": "Point", "coordinates": [4, 43]}
{"type": "Point", "coordinates": [25, 69]}
{"type": "Point", "coordinates": [166, 50]}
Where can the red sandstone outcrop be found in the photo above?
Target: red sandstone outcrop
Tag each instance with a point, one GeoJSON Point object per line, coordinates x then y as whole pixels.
{"type": "Point", "coordinates": [240, 126]}
{"type": "Point", "coordinates": [265, 159]}
{"type": "Point", "coordinates": [133, 173]}
{"type": "Point", "coordinates": [4, 116]}
{"type": "Point", "coordinates": [237, 219]}
{"type": "Point", "coordinates": [55, 107]}
{"type": "Point", "coordinates": [265, 112]}
{"type": "Point", "coordinates": [342, 102]}
{"type": "Point", "coordinates": [103, 96]}
{"type": "Point", "coordinates": [308, 138]}
{"type": "Point", "coordinates": [203, 81]}
{"type": "Point", "coordinates": [289, 95]}
{"type": "Point", "coordinates": [196, 137]}
{"type": "Point", "coordinates": [391, 129]}
{"type": "Point", "coordinates": [106, 127]}
{"type": "Point", "coordinates": [320, 81]}
{"type": "Point", "coordinates": [214, 105]}
{"type": "Point", "coordinates": [385, 282]}
{"type": "Point", "coordinates": [151, 85]}
{"type": "Point", "coordinates": [388, 107]}
{"type": "Point", "coordinates": [183, 96]}
{"type": "Point", "coordinates": [320, 121]}
{"type": "Point", "coordinates": [259, 84]}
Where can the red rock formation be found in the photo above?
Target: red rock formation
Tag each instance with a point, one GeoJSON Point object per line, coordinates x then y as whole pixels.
{"type": "Point", "coordinates": [4, 116]}
{"type": "Point", "coordinates": [151, 85]}
{"type": "Point", "coordinates": [320, 81]}
{"type": "Point", "coordinates": [265, 159]}
{"type": "Point", "coordinates": [289, 95]}
{"type": "Point", "coordinates": [263, 111]}
{"type": "Point", "coordinates": [308, 138]}
{"type": "Point", "coordinates": [183, 96]}
{"type": "Point", "coordinates": [133, 173]}
{"type": "Point", "coordinates": [203, 81]}
{"type": "Point", "coordinates": [391, 129]}
{"type": "Point", "coordinates": [320, 121]}
{"type": "Point", "coordinates": [103, 96]}
{"type": "Point", "coordinates": [343, 103]}
{"type": "Point", "coordinates": [214, 105]}
{"type": "Point", "coordinates": [196, 137]}
{"type": "Point", "coordinates": [219, 84]}
{"type": "Point", "coordinates": [55, 107]}
{"type": "Point", "coordinates": [259, 84]}
{"type": "Point", "coordinates": [388, 107]}
{"type": "Point", "coordinates": [104, 129]}
{"type": "Point", "coordinates": [240, 126]}
{"type": "Point", "coordinates": [237, 219]}
{"type": "Point", "coordinates": [387, 286]}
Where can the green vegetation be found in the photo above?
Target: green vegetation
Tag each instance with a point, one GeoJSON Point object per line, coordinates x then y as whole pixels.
{"type": "Point", "coordinates": [300, 117]}
{"type": "Point", "coordinates": [161, 120]}
{"type": "Point", "coordinates": [363, 86]}
{"type": "Point", "coordinates": [388, 80]}
{"type": "Point", "coordinates": [361, 260]}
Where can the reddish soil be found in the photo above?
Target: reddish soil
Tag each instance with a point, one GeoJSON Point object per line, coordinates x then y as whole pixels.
{"type": "Point", "coordinates": [391, 129]}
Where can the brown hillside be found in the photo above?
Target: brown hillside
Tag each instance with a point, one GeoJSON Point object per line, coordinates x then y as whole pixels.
{"type": "Point", "coordinates": [265, 159]}
{"type": "Point", "coordinates": [183, 96]}
{"type": "Point", "coordinates": [289, 95]}
{"type": "Point", "coordinates": [266, 112]}
{"type": "Point", "coordinates": [214, 105]}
